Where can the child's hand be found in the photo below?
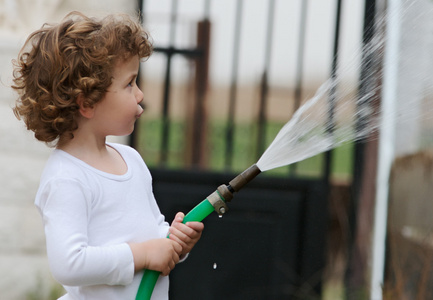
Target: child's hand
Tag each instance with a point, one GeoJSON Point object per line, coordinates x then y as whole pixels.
{"type": "Point", "coordinates": [160, 255]}
{"type": "Point", "coordinates": [187, 235]}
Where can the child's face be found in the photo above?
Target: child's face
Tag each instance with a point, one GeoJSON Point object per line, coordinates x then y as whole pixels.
{"type": "Point", "coordinates": [117, 112]}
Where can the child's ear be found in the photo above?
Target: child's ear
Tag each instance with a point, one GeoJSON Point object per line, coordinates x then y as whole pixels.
{"type": "Point", "coordinates": [85, 110]}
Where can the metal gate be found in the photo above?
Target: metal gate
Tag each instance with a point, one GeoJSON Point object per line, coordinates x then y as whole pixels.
{"type": "Point", "coordinates": [201, 130]}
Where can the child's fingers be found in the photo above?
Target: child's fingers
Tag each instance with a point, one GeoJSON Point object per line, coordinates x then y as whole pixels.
{"type": "Point", "coordinates": [197, 226]}
{"type": "Point", "coordinates": [178, 249]}
{"type": "Point", "coordinates": [179, 217]}
{"type": "Point", "coordinates": [183, 231]}
{"type": "Point", "coordinates": [178, 236]}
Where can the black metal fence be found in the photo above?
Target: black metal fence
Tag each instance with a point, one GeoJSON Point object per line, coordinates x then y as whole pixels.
{"type": "Point", "coordinates": [224, 78]}
{"type": "Point", "coordinates": [224, 87]}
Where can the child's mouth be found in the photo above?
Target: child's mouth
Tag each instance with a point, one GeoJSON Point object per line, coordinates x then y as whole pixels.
{"type": "Point", "coordinates": [140, 113]}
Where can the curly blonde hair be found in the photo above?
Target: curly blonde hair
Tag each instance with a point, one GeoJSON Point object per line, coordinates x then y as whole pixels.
{"type": "Point", "coordinates": [59, 62]}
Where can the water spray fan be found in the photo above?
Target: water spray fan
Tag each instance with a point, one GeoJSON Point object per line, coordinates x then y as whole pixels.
{"type": "Point", "coordinates": [217, 201]}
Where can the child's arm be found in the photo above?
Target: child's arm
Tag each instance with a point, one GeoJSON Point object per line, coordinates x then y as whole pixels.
{"type": "Point", "coordinates": [187, 235]}
{"type": "Point", "coordinates": [65, 207]}
{"type": "Point", "coordinates": [159, 255]}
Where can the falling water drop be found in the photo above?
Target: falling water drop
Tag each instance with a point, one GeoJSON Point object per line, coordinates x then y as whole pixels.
{"type": "Point", "coordinates": [220, 216]}
{"type": "Point", "coordinates": [214, 266]}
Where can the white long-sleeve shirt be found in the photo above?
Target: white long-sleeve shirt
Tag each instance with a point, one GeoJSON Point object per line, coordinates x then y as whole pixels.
{"type": "Point", "coordinates": [89, 217]}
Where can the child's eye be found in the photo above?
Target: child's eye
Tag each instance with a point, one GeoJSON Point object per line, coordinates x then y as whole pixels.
{"type": "Point", "coordinates": [131, 83]}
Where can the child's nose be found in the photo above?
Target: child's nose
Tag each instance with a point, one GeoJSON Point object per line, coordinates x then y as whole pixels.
{"type": "Point", "coordinates": [139, 95]}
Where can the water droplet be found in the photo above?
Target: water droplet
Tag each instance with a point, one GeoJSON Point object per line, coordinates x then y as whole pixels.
{"type": "Point", "coordinates": [220, 216]}
{"type": "Point", "coordinates": [214, 266]}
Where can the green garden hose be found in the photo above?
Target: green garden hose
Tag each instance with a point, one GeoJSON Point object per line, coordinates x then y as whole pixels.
{"type": "Point", "coordinates": [214, 202]}
{"type": "Point", "coordinates": [197, 214]}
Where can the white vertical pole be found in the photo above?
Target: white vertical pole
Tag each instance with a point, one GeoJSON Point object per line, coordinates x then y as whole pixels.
{"type": "Point", "coordinates": [386, 146]}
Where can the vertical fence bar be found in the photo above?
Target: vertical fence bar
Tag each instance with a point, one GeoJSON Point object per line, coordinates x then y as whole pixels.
{"type": "Point", "coordinates": [233, 86]}
{"type": "Point", "coordinates": [198, 150]}
{"type": "Point", "coordinates": [167, 81]}
{"type": "Point", "coordinates": [261, 134]}
{"type": "Point", "coordinates": [132, 138]}
{"type": "Point", "coordinates": [333, 92]}
{"type": "Point", "coordinates": [140, 9]}
{"type": "Point", "coordinates": [201, 82]}
{"type": "Point", "coordinates": [300, 55]}
{"type": "Point", "coordinates": [299, 75]}
{"type": "Point", "coordinates": [356, 265]}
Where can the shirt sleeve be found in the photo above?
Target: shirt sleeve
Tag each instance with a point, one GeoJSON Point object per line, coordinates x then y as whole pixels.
{"type": "Point", "coordinates": [65, 208]}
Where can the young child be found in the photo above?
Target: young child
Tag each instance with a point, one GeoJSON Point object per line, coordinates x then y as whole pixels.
{"type": "Point", "coordinates": [77, 85]}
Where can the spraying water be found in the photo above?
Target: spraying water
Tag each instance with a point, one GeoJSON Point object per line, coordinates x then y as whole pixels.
{"type": "Point", "coordinates": [310, 131]}
{"type": "Point", "coordinates": [337, 114]}
{"type": "Point", "coordinates": [333, 116]}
